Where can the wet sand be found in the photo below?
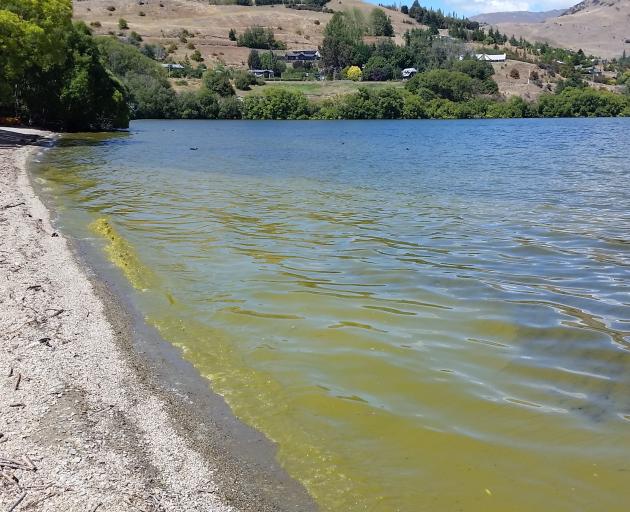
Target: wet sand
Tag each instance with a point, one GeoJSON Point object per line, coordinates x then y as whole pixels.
{"type": "Point", "coordinates": [96, 411]}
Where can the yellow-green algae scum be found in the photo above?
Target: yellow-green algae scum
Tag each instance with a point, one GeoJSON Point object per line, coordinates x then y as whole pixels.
{"type": "Point", "coordinates": [314, 453]}
{"type": "Point", "coordinates": [449, 394]}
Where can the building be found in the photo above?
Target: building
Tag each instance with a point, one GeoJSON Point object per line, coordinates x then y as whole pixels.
{"type": "Point", "coordinates": [171, 67]}
{"type": "Point", "coordinates": [408, 73]}
{"type": "Point", "coordinates": [491, 58]}
{"type": "Point", "coordinates": [302, 56]}
{"type": "Point", "coordinates": [262, 73]}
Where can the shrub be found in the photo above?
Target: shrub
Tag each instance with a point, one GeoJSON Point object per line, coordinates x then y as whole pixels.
{"type": "Point", "coordinates": [450, 85]}
{"type": "Point", "coordinates": [261, 38]}
{"type": "Point", "coordinates": [218, 81]}
{"type": "Point", "coordinates": [232, 35]}
{"type": "Point", "coordinates": [95, 24]}
{"type": "Point", "coordinates": [276, 103]}
{"type": "Point", "coordinates": [244, 80]}
{"type": "Point", "coordinates": [196, 56]}
{"type": "Point", "coordinates": [122, 24]}
{"type": "Point", "coordinates": [111, 8]}
{"type": "Point", "coordinates": [354, 73]}
{"type": "Point", "coordinates": [515, 74]}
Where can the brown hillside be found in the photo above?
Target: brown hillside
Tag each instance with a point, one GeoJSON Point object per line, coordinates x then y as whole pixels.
{"type": "Point", "coordinates": [164, 20]}
{"type": "Point", "coordinates": [600, 27]}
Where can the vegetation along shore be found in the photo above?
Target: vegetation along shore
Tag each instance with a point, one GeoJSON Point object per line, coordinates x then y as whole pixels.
{"type": "Point", "coordinates": [65, 75]}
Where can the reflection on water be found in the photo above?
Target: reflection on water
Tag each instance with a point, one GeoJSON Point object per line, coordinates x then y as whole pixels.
{"type": "Point", "coordinates": [444, 327]}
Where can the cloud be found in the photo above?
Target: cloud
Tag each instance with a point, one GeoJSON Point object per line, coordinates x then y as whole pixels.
{"type": "Point", "coordinates": [482, 6]}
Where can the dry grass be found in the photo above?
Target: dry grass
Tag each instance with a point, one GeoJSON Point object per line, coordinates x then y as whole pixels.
{"type": "Point", "coordinates": [599, 29]}
{"type": "Point", "coordinates": [210, 24]}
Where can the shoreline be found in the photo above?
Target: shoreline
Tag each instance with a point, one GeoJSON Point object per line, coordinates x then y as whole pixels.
{"type": "Point", "coordinates": [106, 410]}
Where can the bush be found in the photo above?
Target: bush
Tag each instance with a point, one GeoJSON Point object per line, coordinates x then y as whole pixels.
{"type": "Point", "coordinates": [95, 24]}
{"type": "Point", "coordinates": [260, 38]}
{"type": "Point", "coordinates": [515, 74]}
{"type": "Point", "coordinates": [141, 13]}
{"type": "Point", "coordinates": [354, 73]}
{"type": "Point", "coordinates": [122, 24]}
{"type": "Point", "coordinates": [196, 56]}
{"type": "Point", "coordinates": [218, 81]}
{"type": "Point", "coordinates": [232, 35]}
{"type": "Point", "coordinates": [244, 80]}
{"type": "Point", "coordinates": [450, 85]}
{"type": "Point", "coordinates": [150, 94]}
{"type": "Point", "coordinates": [276, 103]}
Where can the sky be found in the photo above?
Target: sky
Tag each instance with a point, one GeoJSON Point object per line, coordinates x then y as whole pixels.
{"type": "Point", "coordinates": [472, 7]}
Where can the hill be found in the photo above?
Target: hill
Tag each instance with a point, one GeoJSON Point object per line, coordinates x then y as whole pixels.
{"type": "Point", "coordinates": [600, 27]}
{"type": "Point", "coordinates": [206, 26]}
{"type": "Point", "coordinates": [492, 18]}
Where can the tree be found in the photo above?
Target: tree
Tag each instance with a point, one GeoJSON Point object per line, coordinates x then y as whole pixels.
{"type": "Point", "coordinates": [218, 81]}
{"type": "Point", "coordinates": [261, 38]}
{"type": "Point", "coordinates": [269, 60]}
{"type": "Point", "coordinates": [253, 60]}
{"type": "Point", "coordinates": [338, 44]}
{"type": "Point", "coordinates": [232, 35]}
{"type": "Point", "coordinates": [380, 24]}
{"type": "Point", "coordinates": [450, 85]}
{"type": "Point", "coordinates": [150, 93]}
{"type": "Point", "coordinates": [404, 9]}
{"type": "Point", "coordinates": [276, 103]}
{"type": "Point", "coordinates": [51, 72]}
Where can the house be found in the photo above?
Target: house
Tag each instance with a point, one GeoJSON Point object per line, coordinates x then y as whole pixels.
{"type": "Point", "coordinates": [407, 73]}
{"type": "Point", "coordinates": [171, 67]}
{"type": "Point", "coordinates": [302, 56]}
{"type": "Point", "coordinates": [491, 58]}
{"type": "Point", "coordinates": [262, 73]}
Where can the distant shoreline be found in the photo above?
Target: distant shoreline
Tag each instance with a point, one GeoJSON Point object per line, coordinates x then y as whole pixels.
{"type": "Point", "coordinates": [106, 411]}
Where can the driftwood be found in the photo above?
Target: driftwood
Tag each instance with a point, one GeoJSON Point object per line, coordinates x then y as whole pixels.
{"type": "Point", "coordinates": [26, 464]}
{"type": "Point", "coordinates": [17, 502]}
{"type": "Point", "coordinates": [7, 206]}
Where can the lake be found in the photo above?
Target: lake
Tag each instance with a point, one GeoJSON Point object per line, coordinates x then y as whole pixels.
{"type": "Point", "coordinates": [424, 315]}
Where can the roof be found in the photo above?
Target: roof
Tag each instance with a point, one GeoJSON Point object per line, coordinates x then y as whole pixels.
{"type": "Point", "coordinates": [492, 58]}
{"type": "Point", "coordinates": [173, 66]}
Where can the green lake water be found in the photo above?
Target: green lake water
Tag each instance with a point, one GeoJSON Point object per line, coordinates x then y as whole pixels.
{"type": "Point", "coordinates": [425, 316]}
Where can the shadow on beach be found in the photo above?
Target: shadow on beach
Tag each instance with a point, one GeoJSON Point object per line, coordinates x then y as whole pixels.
{"type": "Point", "coordinates": [12, 139]}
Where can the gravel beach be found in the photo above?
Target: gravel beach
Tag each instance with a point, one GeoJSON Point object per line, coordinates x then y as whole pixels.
{"type": "Point", "coordinates": [81, 428]}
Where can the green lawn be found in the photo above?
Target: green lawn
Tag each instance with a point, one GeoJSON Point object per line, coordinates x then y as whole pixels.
{"type": "Point", "coordinates": [323, 89]}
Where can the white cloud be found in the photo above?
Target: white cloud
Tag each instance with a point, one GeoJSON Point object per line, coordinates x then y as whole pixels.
{"type": "Point", "coordinates": [482, 6]}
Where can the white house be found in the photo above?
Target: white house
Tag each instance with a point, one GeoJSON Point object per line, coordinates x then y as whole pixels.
{"type": "Point", "coordinates": [407, 73]}
{"type": "Point", "coordinates": [491, 58]}
{"type": "Point", "coordinates": [172, 66]}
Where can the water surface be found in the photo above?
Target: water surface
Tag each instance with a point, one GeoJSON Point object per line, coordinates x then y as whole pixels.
{"type": "Point", "coordinates": [427, 315]}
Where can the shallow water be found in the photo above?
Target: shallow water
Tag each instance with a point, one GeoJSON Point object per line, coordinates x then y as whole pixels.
{"type": "Point", "coordinates": [426, 315]}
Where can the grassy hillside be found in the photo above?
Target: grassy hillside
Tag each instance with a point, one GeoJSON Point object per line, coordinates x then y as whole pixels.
{"type": "Point", "coordinates": [600, 28]}
{"type": "Point", "coordinates": [164, 20]}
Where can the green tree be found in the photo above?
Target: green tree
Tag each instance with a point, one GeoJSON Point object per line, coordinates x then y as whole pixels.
{"type": "Point", "coordinates": [253, 60]}
{"type": "Point", "coordinates": [51, 71]}
{"type": "Point", "coordinates": [218, 81]}
{"type": "Point", "coordinates": [380, 23]}
{"type": "Point", "coordinates": [269, 60]}
{"type": "Point", "coordinates": [338, 44]}
{"type": "Point", "coordinates": [276, 103]}
{"type": "Point", "coordinates": [450, 85]}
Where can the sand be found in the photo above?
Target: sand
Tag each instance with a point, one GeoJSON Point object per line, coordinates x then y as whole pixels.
{"type": "Point", "coordinates": [81, 427]}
